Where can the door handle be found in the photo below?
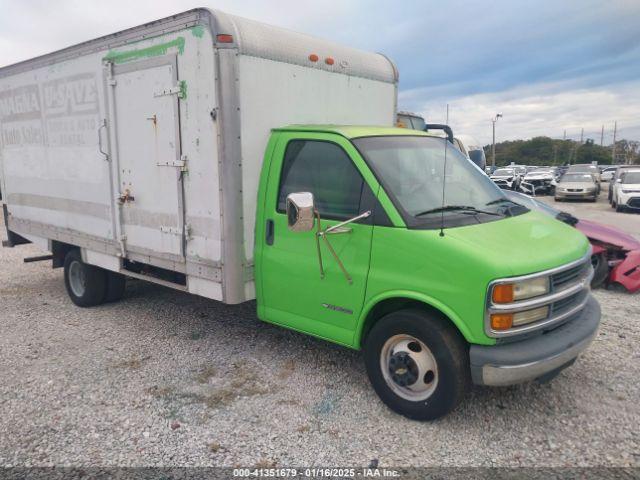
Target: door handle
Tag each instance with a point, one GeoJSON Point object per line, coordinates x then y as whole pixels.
{"type": "Point", "coordinates": [103, 125]}
{"type": "Point", "coordinates": [269, 234]}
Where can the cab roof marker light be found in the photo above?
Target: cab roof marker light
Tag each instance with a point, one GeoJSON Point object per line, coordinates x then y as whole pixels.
{"type": "Point", "coordinates": [224, 38]}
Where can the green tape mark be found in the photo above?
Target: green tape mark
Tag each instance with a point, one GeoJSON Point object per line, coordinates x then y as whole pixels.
{"type": "Point", "coordinates": [152, 51]}
{"type": "Point", "coordinates": [197, 31]}
{"type": "Point", "coordinates": [183, 90]}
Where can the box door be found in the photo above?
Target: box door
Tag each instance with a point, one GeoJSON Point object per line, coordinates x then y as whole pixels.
{"type": "Point", "coordinates": [147, 130]}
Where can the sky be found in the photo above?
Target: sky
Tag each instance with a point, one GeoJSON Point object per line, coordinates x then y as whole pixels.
{"type": "Point", "coordinates": [547, 66]}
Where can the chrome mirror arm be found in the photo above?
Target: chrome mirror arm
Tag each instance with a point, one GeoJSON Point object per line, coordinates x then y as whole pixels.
{"type": "Point", "coordinates": [334, 230]}
{"type": "Point", "coordinates": [339, 227]}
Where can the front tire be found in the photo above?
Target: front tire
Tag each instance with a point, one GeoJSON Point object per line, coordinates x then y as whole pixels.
{"type": "Point", "coordinates": [417, 363]}
{"type": "Point", "coordinates": [86, 285]}
{"type": "Point", "coordinates": [600, 269]}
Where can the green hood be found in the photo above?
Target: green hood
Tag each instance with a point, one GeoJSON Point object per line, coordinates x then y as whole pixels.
{"type": "Point", "coordinates": [524, 244]}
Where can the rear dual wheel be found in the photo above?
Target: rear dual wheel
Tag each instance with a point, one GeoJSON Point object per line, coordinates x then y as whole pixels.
{"type": "Point", "coordinates": [88, 285]}
{"type": "Point", "coordinates": [417, 363]}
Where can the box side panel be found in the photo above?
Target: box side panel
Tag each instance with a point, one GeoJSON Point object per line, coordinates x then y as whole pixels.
{"type": "Point", "coordinates": [58, 182]}
{"type": "Point", "coordinates": [275, 94]}
{"type": "Point", "coordinates": [53, 170]}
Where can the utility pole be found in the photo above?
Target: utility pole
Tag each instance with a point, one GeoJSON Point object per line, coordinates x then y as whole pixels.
{"type": "Point", "coordinates": [564, 135]}
{"type": "Point", "coordinates": [613, 150]}
{"type": "Point", "coordinates": [493, 144]}
{"type": "Point", "coordinates": [581, 136]}
{"type": "Point", "coordinates": [602, 136]}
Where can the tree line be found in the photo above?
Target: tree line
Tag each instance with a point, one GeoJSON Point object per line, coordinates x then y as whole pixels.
{"type": "Point", "coordinates": [549, 151]}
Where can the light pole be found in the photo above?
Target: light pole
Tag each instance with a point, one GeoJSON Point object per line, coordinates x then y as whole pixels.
{"type": "Point", "coordinates": [493, 145]}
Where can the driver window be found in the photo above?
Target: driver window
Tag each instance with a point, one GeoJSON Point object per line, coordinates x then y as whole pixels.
{"type": "Point", "coordinates": [324, 169]}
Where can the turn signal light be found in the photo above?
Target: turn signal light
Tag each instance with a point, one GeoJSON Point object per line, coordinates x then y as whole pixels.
{"type": "Point", "coordinates": [502, 293]}
{"type": "Point", "coordinates": [224, 38]}
{"type": "Point", "coordinates": [313, 57]}
{"type": "Point", "coordinates": [501, 321]}
{"type": "Point", "coordinates": [329, 61]}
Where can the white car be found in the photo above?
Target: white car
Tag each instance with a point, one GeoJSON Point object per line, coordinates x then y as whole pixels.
{"type": "Point", "coordinates": [540, 180]}
{"type": "Point", "coordinates": [608, 173]}
{"type": "Point", "coordinates": [505, 178]}
{"type": "Point", "coordinates": [626, 191]}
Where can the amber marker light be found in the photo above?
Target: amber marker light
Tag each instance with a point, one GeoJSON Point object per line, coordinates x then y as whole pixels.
{"type": "Point", "coordinates": [502, 293]}
{"type": "Point", "coordinates": [501, 321]}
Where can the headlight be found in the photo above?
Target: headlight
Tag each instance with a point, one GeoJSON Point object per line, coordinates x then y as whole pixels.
{"type": "Point", "coordinates": [510, 292]}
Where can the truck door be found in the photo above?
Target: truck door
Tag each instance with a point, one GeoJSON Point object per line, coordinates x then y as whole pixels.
{"type": "Point", "coordinates": [291, 290]}
{"type": "Point", "coordinates": [147, 138]}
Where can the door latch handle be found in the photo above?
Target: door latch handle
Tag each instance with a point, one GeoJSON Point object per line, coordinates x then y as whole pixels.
{"type": "Point", "coordinates": [269, 234]}
{"type": "Point", "coordinates": [126, 197]}
{"type": "Point", "coordinates": [102, 125]}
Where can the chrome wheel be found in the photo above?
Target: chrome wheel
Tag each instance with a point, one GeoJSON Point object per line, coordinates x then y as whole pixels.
{"type": "Point", "coordinates": [77, 280]}
{"type": "Point", "coordinates": [409, 368]}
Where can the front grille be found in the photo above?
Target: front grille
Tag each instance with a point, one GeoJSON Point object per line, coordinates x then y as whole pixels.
{"type": "Point", "coordinates": [567, 304]}
{"type": "Point", "coordinates": [574, 189]}
{"type": "Point", "coordinates": [568, 276]}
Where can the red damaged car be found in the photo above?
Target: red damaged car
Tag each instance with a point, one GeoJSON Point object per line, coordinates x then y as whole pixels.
{"type": "Point", "coordinates": [616, 255]}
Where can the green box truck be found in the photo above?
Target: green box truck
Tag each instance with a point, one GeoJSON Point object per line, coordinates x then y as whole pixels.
{"type": "Point", "coordinates": [159, 153]}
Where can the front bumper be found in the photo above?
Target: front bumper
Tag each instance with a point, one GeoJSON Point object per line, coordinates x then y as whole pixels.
{"type": "Point", "coordinates": [629, 200]}
{"type": "Point", "coordinates": [578, 195]}
{"type": "Point", "coordinates": [508, 184]}
{"type": "Point", "coordinates": [535, 357]}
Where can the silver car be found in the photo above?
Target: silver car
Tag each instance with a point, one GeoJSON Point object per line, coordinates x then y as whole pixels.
{"type": "Point", "coordinates": [577, 186]}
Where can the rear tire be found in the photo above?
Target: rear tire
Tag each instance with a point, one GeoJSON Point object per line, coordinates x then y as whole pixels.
{"type": "Point", "coordinates": [417, 363]}
{"type": "Point", "coordinates": [86, 285]}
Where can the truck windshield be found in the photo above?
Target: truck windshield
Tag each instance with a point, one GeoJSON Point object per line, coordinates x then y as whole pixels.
{"type": "Point", "coordinates": [411, 170]}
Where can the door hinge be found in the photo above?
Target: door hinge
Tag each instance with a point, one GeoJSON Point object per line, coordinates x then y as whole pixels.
{"type": "Point", "coordinates": [182, 163]}
{"type": "Point", "coordinates": [177, 90]}
{"type": "Point", "coordinates": [177, 231]}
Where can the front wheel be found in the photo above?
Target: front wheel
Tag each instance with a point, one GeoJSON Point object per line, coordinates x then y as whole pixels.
{"type": "Point", "coordinates": [417, 363]}
{"type": "Point", "coordinates": [600, 269]}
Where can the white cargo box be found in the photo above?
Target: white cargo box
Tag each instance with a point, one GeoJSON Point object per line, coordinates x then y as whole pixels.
{"type": "Point", "coordinates": [146, 145]}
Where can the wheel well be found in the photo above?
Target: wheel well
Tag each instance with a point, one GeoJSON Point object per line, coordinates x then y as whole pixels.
{"type": "Point", "coordinates": [59, 251]}
{"type": "Point", "coordinates": [393, 304]}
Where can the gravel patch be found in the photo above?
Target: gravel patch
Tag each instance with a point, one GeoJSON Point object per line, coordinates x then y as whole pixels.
{"type": "Point", "coordinates": [164, 378]}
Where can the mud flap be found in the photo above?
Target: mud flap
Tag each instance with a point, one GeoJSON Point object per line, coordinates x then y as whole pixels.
{"type": "Point", "coordinates": [13, 238]}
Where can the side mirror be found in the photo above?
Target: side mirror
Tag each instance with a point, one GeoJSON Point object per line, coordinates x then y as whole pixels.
{"type": "Point", "coordinates": [300, 212]}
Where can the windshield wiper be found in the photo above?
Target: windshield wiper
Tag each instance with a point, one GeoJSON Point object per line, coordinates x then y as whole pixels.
{"type": "Point", "coordinates": [467, 209]}
{"type": "Point", "coordinates": [501, 200]}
